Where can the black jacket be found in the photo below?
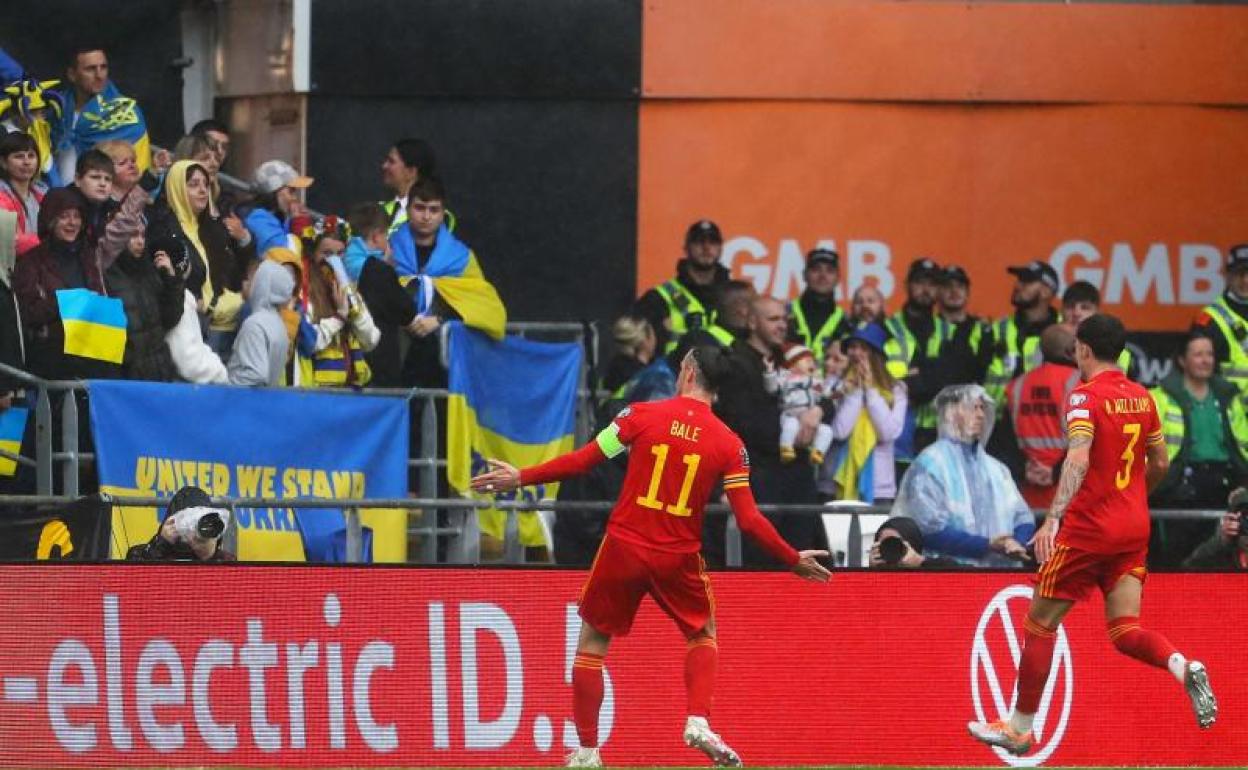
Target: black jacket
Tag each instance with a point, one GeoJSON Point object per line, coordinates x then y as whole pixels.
{"type": "Point", "coordinates": [153, 303]}
{"type": "Point", "coordinates": [747, 408]}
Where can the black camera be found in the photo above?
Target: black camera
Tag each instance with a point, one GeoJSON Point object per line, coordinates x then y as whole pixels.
{"type": "Point", "coordinates": [892, 549]}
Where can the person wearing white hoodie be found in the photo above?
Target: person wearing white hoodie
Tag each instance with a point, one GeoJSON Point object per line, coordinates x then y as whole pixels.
{"type": "Point", "coordinates": [259, 355]}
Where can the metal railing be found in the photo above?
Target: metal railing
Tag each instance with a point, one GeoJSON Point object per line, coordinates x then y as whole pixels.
{"type": "Point", "coordinates": [464, 545]}
{"type": "Point", "coordinates": [68, 459]}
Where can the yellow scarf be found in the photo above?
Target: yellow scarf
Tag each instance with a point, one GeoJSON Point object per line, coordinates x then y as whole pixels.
{"type": "Point", "coordinates": [225, 311]}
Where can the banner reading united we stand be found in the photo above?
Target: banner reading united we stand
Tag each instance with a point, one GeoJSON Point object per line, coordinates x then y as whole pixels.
{"type": "Point", "coordinates": [145, 665]}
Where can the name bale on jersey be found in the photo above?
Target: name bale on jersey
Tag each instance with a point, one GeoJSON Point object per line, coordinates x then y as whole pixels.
{"type": "Point", "coordinates": [687, 432]}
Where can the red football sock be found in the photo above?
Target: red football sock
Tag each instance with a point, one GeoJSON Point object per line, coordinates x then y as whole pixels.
{"type": "Point", "coordinates": [1146, 646]}
{"type": "Point", "coordinates": [701, 659]}
{"type": "Point", "coordinates": [587, 697]}
{"type": "Point", "coordinates": [1033, 669]}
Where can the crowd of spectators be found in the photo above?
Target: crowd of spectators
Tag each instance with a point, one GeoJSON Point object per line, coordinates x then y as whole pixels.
{"type": "Point", "coordinates": [219, 285]}
{"type": "Point", "coordinates": [954, 420]}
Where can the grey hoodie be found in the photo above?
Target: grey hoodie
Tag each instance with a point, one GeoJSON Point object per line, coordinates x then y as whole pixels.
{"type": "Point", "coordinates": [259, 356]}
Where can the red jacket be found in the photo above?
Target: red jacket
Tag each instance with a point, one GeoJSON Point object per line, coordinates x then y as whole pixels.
{"type": "Point", "coordinates": [1036, 401]}
{"type": "Point", "coordinates": [27, 231]}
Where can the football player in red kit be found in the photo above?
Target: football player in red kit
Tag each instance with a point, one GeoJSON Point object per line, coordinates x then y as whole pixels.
{"type": "Point", "coordinates": [1096, 533]}
{"type": "Point", "coordinates": [678, 450]}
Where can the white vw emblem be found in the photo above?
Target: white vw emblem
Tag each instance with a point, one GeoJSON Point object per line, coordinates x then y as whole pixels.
{"type": "Point", "coordinates": [995, 631]}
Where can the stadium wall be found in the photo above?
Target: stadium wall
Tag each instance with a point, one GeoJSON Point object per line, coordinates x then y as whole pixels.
{"type": "Point", "coordinates": [269, 666]}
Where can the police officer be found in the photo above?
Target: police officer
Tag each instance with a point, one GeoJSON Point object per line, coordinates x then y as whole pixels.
{"type": "Point", "coordinates": [917, 336]}
{"type": "Point", "coordinates": [687, 301]}
{"type": "Point", "coordinates": [815, 320]}
{"type": "Point", "coordinates": [972, 335]}
{"type": "Point", "coordinates": [1227, 321]}
{"type": "Point", "coordinates": [1083, 300]}
{"type": "Point", "coordinates": [1016, 338]}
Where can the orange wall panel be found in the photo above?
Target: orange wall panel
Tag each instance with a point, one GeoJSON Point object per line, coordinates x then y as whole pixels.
{"type": "Point", "coordinates": [1142, 201]}
{"type": "Point", "coordinates": [945, 51]}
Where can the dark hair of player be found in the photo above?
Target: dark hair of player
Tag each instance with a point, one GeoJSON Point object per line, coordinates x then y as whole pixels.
{"type": "Point", "coordinates": [1105, 335]}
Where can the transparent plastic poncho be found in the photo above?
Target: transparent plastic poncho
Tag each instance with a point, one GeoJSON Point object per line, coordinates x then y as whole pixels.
{"type": "Point", "coordinates": [955, 484]}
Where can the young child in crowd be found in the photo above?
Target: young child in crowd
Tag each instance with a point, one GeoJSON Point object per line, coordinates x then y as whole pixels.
{"type": "Point", "coordinates": [799, 387]}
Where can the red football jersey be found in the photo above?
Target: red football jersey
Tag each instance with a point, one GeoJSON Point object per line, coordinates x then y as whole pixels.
{"type": "Point", "coordinates": [678, 450]}
{"type": "Point", "coordinates": [1109, 513]}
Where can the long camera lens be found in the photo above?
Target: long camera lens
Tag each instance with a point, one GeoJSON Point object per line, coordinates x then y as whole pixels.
{"type": "Point", "coordinates": [210, 526]}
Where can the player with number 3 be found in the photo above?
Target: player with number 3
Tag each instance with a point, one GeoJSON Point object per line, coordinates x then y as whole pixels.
{"type": "Point", "coordinates": [1096, 533]}
{"type": "Point", "coordinates": [678, 451]}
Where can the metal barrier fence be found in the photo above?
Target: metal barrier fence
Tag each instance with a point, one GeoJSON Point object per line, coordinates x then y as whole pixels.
{"type": "Point", "coordinates": [845, 524]}
{"type": "Point", "coordinates": [69, 457]}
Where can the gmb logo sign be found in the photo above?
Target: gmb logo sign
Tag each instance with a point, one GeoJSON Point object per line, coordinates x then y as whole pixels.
{"type": "Point", "coordinates": [995, 654]}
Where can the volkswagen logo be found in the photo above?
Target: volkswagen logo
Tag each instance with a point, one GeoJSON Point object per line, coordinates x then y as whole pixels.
{"type": "Point", "coordinates": [995, 655]}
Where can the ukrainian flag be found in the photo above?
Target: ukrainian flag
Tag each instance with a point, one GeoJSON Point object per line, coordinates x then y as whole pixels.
{"type": "Point", "coordinates": [95, 325]}
{"type": "Point", "coordinates": [513, 400]}
{"type": "Point", "coordinates": [12, 426]}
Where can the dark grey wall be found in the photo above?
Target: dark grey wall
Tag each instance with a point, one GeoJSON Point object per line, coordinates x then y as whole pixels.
{"type": "Point", "coordinates": [142, 38]}
{"type": "Point", "coordinates": [531, 106]}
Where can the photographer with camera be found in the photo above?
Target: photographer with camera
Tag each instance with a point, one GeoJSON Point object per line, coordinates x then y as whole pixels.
{"type": "Point", "coordinates": [899, 545]}
{"type": "Point", "coordinates": [1228, 548]}
{"type": "Point", "coordinates": [191, 531]}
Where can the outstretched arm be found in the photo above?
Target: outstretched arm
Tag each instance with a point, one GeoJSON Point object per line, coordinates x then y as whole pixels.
{"type": "Point", "coordinates": [503, 477]}
{"type": "Point", "coordinates": [760, 530]}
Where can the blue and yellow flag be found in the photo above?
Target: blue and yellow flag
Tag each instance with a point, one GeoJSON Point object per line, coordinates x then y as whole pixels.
{"type": "Point", "coordinates": [95, 325]}
{"type": "Point", "coordinates": [12, 426]}
{"type": "Point", "coordinates": [513, 400]}
{"type": "Point", "coordinates": [108, 115]}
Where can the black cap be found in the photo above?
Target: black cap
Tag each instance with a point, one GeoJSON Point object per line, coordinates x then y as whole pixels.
{"type": "Point", "coordinates": [1237, 257]}
{"type": "Point", "coordinates": [1035, 270]}
{"type": "Point", "coordinates": [187, 497]}
{"type": "Point", "coordinates": [823, 255]}
{"type": "Point", "coordinates": [953, 273]}
{"type": "Point", "coordinates": [704, 230]}
{"type": "Point", "coordinates": [923, 268]}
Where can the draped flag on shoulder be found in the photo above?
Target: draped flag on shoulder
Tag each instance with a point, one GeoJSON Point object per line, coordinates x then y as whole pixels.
{"type": "Point", "coordinates": [512, 400]}
{"type": "Point", "coordinates": [12, 426]}
{"type": "Point", "coordinates": [95, 325]}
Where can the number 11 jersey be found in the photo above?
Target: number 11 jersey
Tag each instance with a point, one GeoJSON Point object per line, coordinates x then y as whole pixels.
{"type": "Point", "coordinates": [1109, 513]}
{"type": "Point", "coordinates": [678, 450]}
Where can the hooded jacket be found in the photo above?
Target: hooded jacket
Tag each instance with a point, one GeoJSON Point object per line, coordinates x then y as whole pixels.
{"type": "Point", "coordinates": [153, 303]}
{"type": "Point", "coordinates": [40, 273]}
{"type": "Point", "coordinates": [217, 270]}
{"type": "Point", "coordinates": [259, 356]}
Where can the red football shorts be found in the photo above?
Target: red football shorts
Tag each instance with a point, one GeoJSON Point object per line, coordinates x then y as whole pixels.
{"type": "Point", "coordinates": [1071, 573]}
{"type": "Point", "coordinates": [624, 573]}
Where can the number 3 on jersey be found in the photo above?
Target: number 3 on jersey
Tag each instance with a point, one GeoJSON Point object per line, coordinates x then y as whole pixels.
{"type": "Point", "coordinates": [651, 500]}
{"type": "Point", "coordinates": [1123, 477]}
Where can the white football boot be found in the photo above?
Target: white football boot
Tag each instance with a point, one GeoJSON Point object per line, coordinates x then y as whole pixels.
{"type": "Point", "coordinates": [698, 736]}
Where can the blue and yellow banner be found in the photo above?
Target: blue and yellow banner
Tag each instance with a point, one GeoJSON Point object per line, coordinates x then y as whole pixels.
{"type": "Point", "coordinates": [12, 427]}
{"type": "Point", "coordinates": [151, 439]}
{"type": "Point", "coordinates": [95, 325]}
{"type": "Point", "coordinates": [513, 400]}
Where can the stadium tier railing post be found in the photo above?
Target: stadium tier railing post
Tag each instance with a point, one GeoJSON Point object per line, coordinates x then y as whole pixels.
{"type": "Point", "coordinates": [429, 478]}
{"type": "Point", "coordinates": [355, 536]}
{"type": "Point", "coordinates": [43, 441]}
{"type": "Point", "coordinates": [732, 542]}
{"type": "Point", "coordinates": [69, 443]}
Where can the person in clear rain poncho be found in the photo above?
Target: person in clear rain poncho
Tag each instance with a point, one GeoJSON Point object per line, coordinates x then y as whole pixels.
{"type": "Point", "coordinates": [964, 500]}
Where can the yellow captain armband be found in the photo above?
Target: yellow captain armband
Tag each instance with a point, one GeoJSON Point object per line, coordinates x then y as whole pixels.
{"type": "Point", "coordinates": [608, 441]}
